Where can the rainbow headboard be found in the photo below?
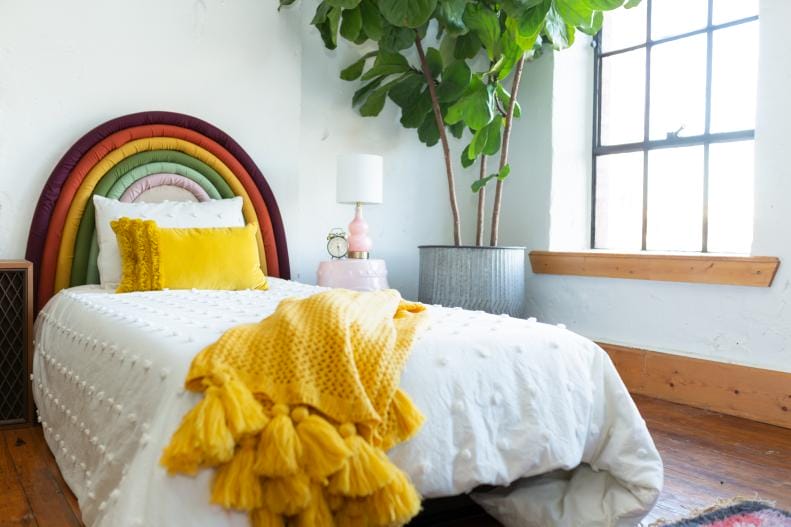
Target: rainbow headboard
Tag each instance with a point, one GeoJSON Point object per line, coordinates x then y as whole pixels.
{"type": "Point", "coordinates": [123, 159]}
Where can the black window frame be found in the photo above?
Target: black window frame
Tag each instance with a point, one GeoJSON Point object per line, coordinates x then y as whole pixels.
{"type": "Point", "coordinates": [705, 139]}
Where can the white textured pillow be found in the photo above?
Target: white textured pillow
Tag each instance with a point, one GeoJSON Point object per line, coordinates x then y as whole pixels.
{"type": "Point", "coordinates": [171, 214]}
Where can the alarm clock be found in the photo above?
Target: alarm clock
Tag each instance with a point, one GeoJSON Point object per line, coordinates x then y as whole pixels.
{"type": "Point", "coordinates": [337, 244]}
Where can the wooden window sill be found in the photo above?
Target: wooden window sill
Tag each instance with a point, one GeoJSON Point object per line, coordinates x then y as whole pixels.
{"type": "Point", "coordinates": [756, 271]}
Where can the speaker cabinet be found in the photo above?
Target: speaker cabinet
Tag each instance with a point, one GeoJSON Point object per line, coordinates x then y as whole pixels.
{"type": "Point", "coordinates": [16, 351]}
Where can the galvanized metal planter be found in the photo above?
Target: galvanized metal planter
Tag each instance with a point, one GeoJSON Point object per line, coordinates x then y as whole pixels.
{"type": "Point", "coordinates": [489, 279]}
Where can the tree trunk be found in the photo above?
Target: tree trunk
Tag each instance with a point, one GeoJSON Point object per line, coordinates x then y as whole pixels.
{"type": "Point", "coordinates": [443, 137]}
{"type": "Point", "coordinates": [498, 191]}
{"type": "Point", "coordinates": [481, 204]}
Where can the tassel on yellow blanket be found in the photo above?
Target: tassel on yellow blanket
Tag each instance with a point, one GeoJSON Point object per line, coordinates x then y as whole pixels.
{"type": "Point", "coordinates": [317, 514]}
{"type": "Point", "coordinates": [279, 449]}
{"type": "Point", "coordinates": [395, 504]}
{"type": "Point", "coordinates": [243, 413]}
{"type": "Point", "coordinates": [288, 495]}
{"type": "Point", "coordinates": [235, 485]}
{"type": "Point", "coordinates": [182, 454]}
{"type": "Point", "coordinates": [407, 417]}
{"type": "Point", "coordinates": [265, 518]}
{"type": "Point", "coordinates": [215, 439]}
{"type": "Point", "coordinates": [323, 449]}
{"type": "Point", "coordinates": [366, 471]}
{"type": "Point", "coordinates": [203, 438]}
{"type": "Point", "coordinates": [353, 514]}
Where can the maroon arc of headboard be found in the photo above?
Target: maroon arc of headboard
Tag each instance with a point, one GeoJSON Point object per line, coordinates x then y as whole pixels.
{"type": "Point", "coordinates": [137, 139]}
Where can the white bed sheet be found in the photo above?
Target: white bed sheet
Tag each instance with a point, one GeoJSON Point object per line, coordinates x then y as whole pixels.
{"type": "Point", "coordinates": [506, 399]}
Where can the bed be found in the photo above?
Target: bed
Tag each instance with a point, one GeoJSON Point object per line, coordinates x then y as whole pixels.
{"type": "Point", "coordinates": [534, 413]}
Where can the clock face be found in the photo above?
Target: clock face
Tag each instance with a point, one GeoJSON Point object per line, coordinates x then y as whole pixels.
{"type": "Point", "coordinates": [337, 247]}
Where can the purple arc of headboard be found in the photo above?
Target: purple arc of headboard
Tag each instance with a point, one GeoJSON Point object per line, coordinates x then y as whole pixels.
{"type": "Point", "coordinates": [52, 188]}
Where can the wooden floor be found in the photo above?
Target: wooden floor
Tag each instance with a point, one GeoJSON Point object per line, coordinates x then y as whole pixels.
{"type": "Point", "coordinates": [707, 456]}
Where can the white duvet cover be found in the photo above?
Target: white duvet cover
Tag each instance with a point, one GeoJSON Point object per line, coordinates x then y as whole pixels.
{"type": "Point", "coordinates": [506, 399]}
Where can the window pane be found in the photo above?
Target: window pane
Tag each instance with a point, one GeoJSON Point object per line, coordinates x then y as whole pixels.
{"type": "Point", "coordinates": [728, 10]}
{"type": "Point", "coordinates": [734, 79]}
{"type": "Point", "coordinates": [619, 201]}
{"type": "Point", "coordinates": [731, 173]}
{"type": "Point", "coordinates": [676, 17]}
{"type": "Point", "coordinates": [623, 98]}
{"type": "Point", "coordinates": [675, 199]}
{"type": "Point", "coordinates": [678, 87]}
{"type": "Point", "coordinates": [624, 28]}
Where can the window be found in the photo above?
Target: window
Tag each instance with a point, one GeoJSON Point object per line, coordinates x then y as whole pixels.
{"type": "Point", "coordinates": [675, 93]}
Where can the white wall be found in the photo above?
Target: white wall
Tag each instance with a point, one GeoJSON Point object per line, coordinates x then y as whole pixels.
{"type": "Point", "coordinates": [262, 76]}
{"type": "Point", "coordinates": [745, 325]}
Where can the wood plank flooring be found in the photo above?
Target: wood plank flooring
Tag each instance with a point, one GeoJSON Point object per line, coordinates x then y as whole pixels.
{"type": "Point", "coordinates": [707, 456]}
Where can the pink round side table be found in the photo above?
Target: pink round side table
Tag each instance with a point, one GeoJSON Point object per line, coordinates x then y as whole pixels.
{"type": "Point", "coordinates": [351, 273]}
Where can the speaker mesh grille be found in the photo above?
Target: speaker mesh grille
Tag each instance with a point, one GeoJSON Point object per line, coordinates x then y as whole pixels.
{"type": "Point", "coordinates": [12, 347]}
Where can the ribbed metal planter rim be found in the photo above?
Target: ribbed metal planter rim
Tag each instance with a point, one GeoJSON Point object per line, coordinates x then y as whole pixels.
{"type": "Point", "coordinates": [490, 279]}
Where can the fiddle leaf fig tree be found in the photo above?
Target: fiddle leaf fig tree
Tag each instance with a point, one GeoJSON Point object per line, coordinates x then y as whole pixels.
{"type": "Point", "coordinates": [463, 79]}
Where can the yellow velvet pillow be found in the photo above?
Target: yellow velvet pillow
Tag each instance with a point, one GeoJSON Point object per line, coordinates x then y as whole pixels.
{"type": "Point", "coordinates": [153, 258]}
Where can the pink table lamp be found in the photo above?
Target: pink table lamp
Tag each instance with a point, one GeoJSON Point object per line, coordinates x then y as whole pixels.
{"type": "Point", "coordinates": [359, 181]}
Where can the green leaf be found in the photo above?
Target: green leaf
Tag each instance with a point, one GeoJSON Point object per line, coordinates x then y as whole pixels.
{"type": "Point", "coordinates": [396, 38]}
{"type": "Point", "coordinates": [632, 3]}
{"type": "Point", "coordinates": [451, 15]}
{"type": "Point", "coordinates": [487, 140]}
{"type": "Point", "coordinates": [375, 102]}
{"type": "Point", "coordinates": [285, 3]}
{"type": "Point", "coordinates": [387, 63]}
{"type": "Point", "coordinates": [595, 25]}
{"type": "Point", "coordinates": [407, 13]}
{"type": "Point", "coordinates": [352, 23]}
{"type": "Point", "coordinates": [427, 132]}
{"type": "Point", "coordinates": [467, 46]}
{"type": "Point", "coordinates": [434, 60]}
{"type": "Point", "coordinates": [328, 29]}
{"type": "Point", "coordinates": [504, 172]}
{"type": "Point", "coordinates": [486, 25]}
{"type": "Point", "coordinates": [343, 4]}
{"type": "Point", "coordinates": [455, 79]}
{"type": "Point", "coordinates": [505, 99]}
{"type": "Point", "coordinates": [355, 69]}
{"type": "Point", "coordinates": [405, 92]}
{"type": "Point", "coordinates": [518, 7]}
{"type": "Point", "coordinates": [475, 108]}
{"type": "Point", "coordinates": [528, 26]}
{"type": "Point", "coordinates": [480, 183]}
{"type": "Point", "coordinates": [372, 20]}
{"type": "Point", "coordinates": [466, 162]}
{"type": "Point", "coordinates": [363, 92]}
{"type": "Point", "coordinates": [457, 130]}
{"type": "Point", "coordinates": [603, 5]}
{"type": "Point", "coordinates": [558, 30]}
{"type": "Point", "coordinates": [321, 13]}
{"type": "Point", "coordinates": [574, 12]}
{"type": "Point", "coordinates": [446, 47]}
{"type": "Point", "coordinates": [413, 115]}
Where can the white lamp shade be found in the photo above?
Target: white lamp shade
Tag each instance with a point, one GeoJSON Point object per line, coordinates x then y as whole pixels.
{"type": "Point", "coordinates": [359, 178]}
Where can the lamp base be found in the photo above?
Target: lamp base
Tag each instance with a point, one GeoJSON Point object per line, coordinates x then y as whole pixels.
{"type": "Point", "coordinates": [357, 255]}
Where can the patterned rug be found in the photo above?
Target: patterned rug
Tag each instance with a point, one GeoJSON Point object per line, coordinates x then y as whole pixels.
{"type": "Point", "coordinates": [744, 514]}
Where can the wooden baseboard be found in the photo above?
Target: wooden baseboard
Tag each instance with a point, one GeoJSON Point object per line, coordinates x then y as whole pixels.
{"type": "Point", "coordinates": [752, 393]}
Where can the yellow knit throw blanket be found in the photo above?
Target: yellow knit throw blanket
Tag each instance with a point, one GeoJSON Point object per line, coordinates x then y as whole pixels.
{"type": "Point", "coordinates": [298, 411]}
